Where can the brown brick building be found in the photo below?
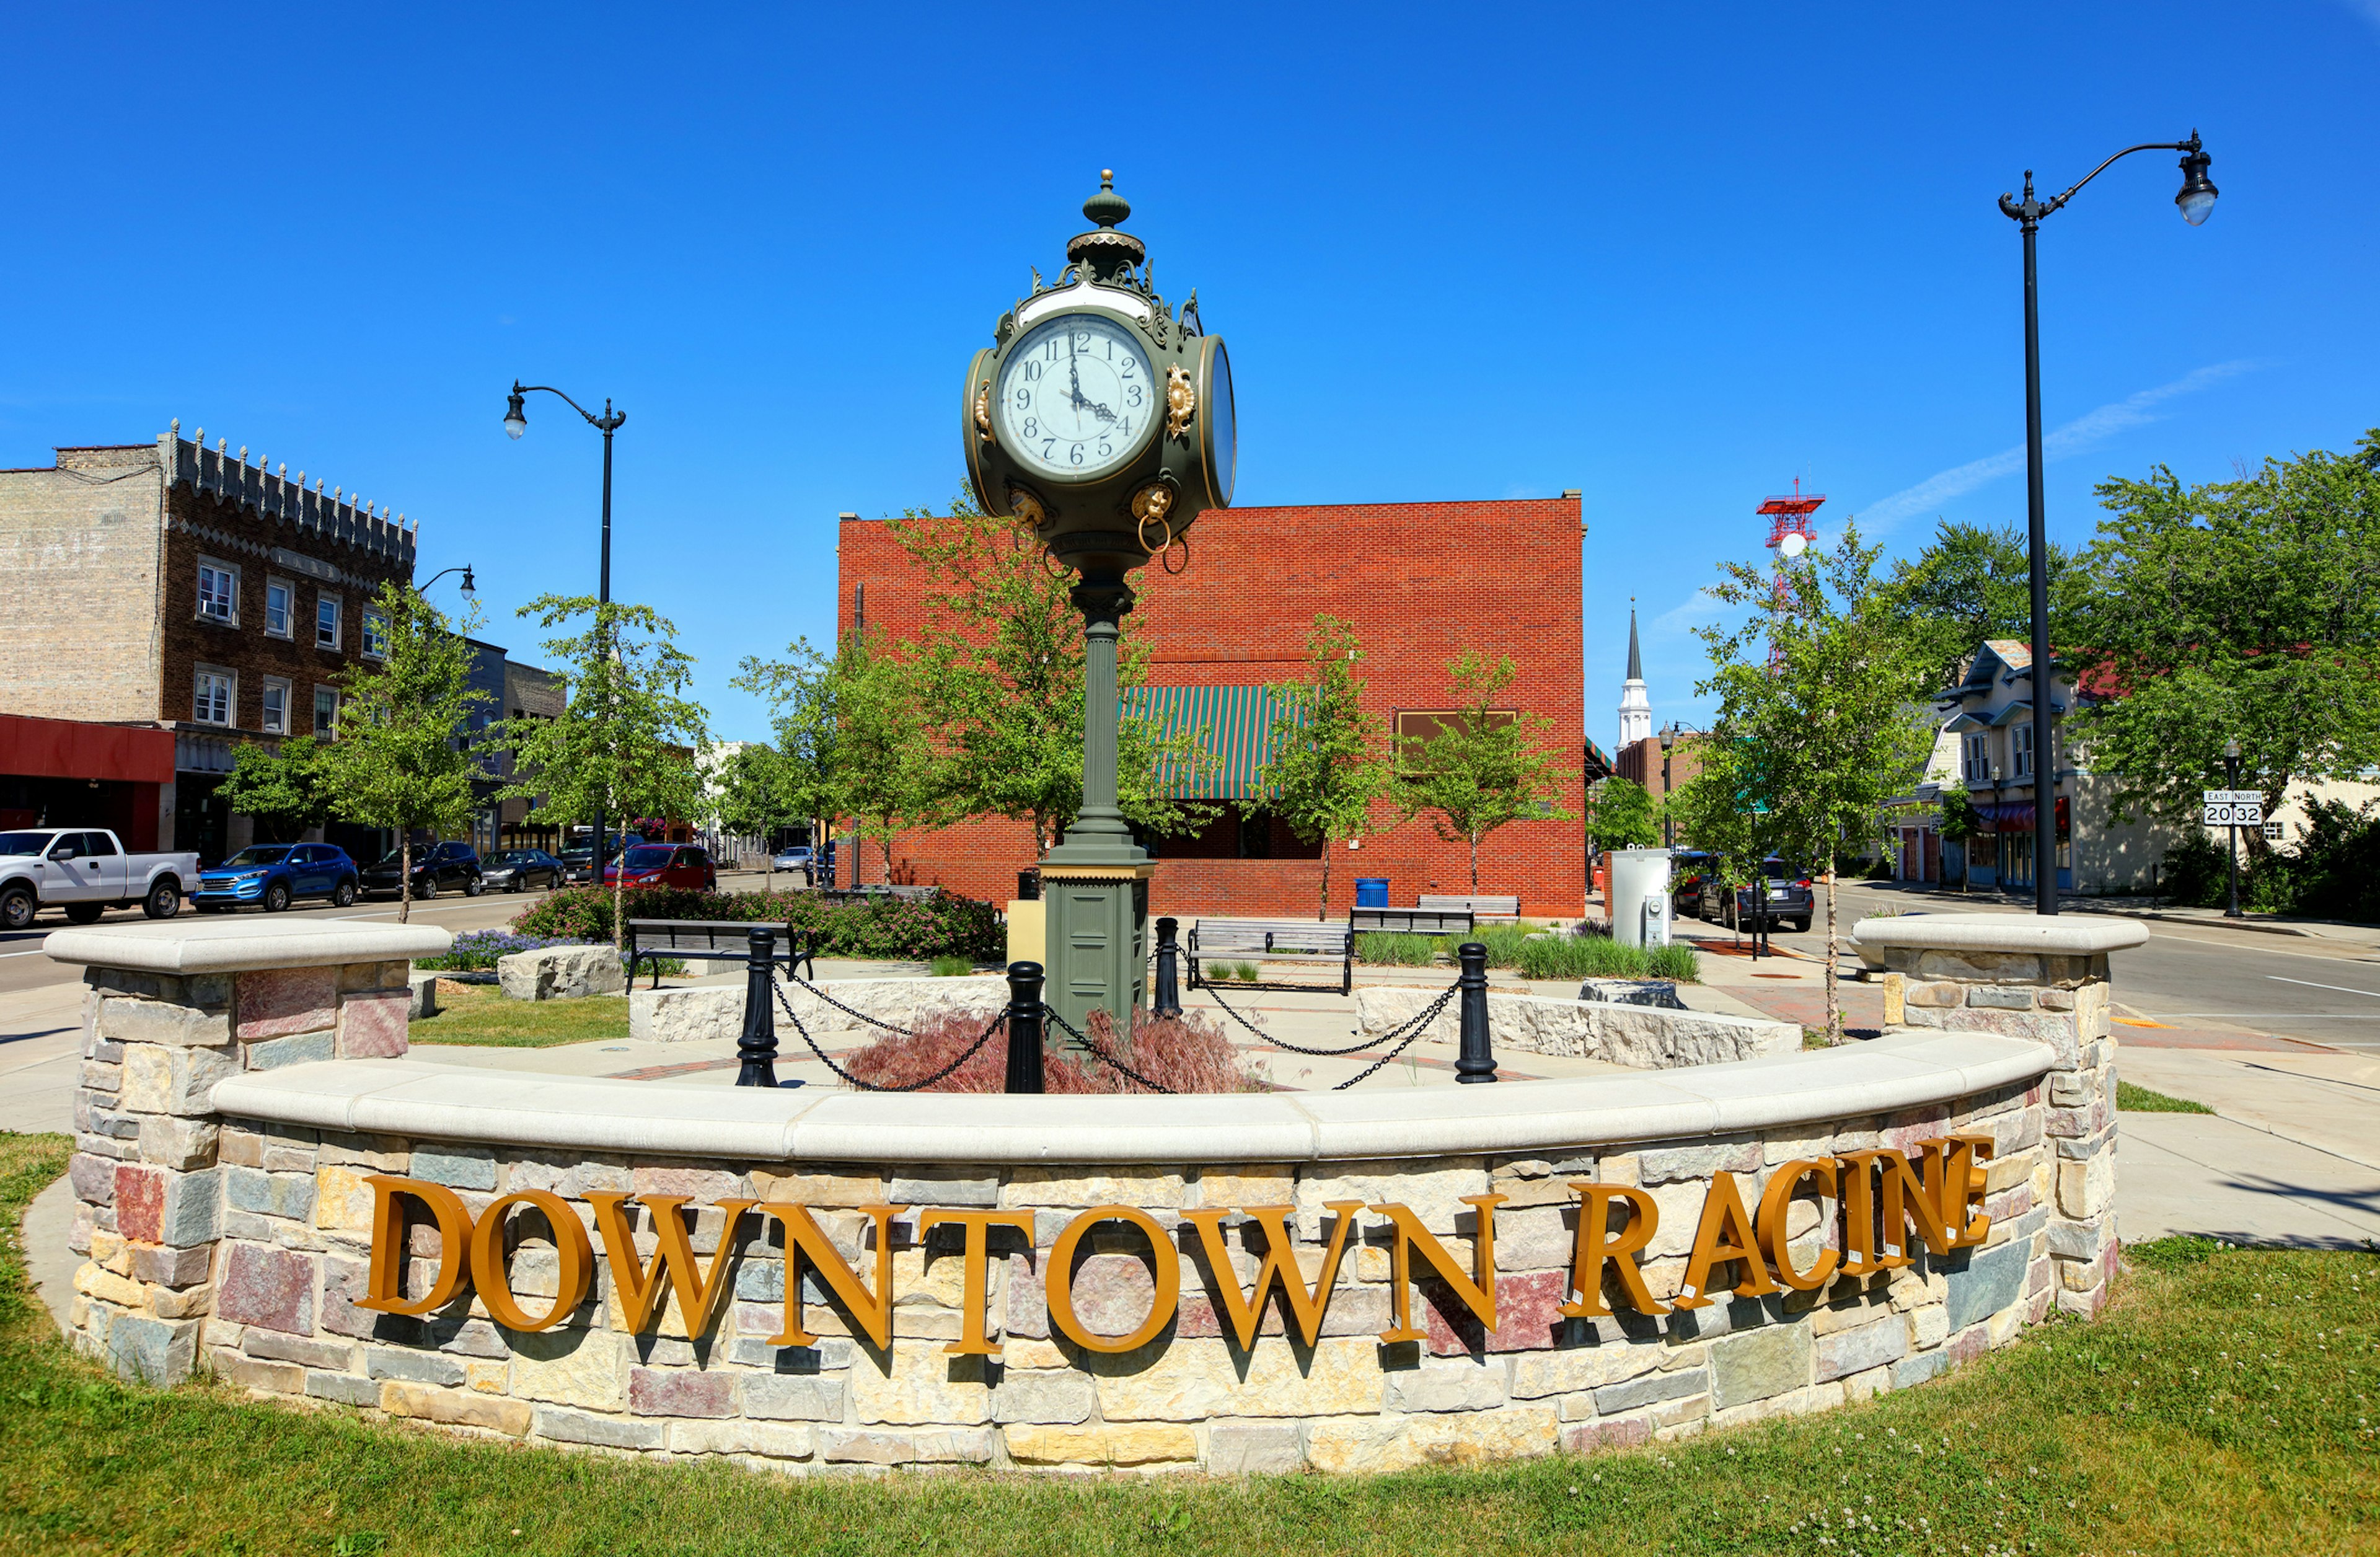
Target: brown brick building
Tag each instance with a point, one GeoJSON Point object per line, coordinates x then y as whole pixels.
{"type": "Point", "coordinates": [184, 588]}
{"type": "Point", "coordinates": [1419, 581]}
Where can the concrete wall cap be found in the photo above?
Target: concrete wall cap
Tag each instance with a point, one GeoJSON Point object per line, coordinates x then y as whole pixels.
{"type": "Point", "coordinates": [418, 1101]}
{"type": "Point", "coordinates": [242, 945]}
{"type": "Point", "coordinates": [2061, 935]}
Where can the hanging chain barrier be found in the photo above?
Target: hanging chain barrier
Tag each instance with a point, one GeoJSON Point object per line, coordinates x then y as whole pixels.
{"type": "Point", "coordinates": [1100, 1053]}
{"type": "Point", "coordinates": [983, 1038]}
{"type": "Point", "coordinates": [1356, 1048]}
{"type": "Point", "coordinates": [1412, 1030]}
{"type": "Point", "coordinates": [846, 1010]}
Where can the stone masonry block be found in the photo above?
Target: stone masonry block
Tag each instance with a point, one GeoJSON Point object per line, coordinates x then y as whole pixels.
{"type": "Point", "coordinates": [153, 1351]}
{"type": "Point", "coordinates": [817, 1397]}
{"type": "Point", "coordinates": [276, 1003]}
{"type": "Point", "coordinates": [611, 1432]}
{"type": "Point", "coordinates": [1939, 993]}
{"type": "Point", "coordinates": [158, 1080]}
{"type": "Point", "coordinates": [93, 1178]}
{"type": "Point", "coordinates": [1760, 1363]}
{"type": "Point", "coordinates": [129, 1019]}
{"type": "Point", "coordinates": [1855, 1351]}
{"type": "Point", "coordinates": [296, 1049]}
{"type": "Point", "coordinates": [372, 1026]}
{"type": "Point", "coordinates": [271, 1287]}
{"type": "Point", "coordinates": [182, 1143]}
{"type": "Point", "coordinates": [1999, 997]}
{"type": "Point", "coordinates": [458, 1167]}
{"type": "Point", "coordinates": [673, 1391]}
{"type": "Point", "coordinates": [1254, 1449]}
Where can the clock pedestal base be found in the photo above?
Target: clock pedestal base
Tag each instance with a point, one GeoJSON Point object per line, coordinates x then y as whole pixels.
{"type": "Point", "coordinates": [1097, 938]}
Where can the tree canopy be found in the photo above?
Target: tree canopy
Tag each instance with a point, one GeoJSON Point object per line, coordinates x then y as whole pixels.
{"type": "Point", "coordinates": [1330, 761]}
{"type": "Point", "coordinates": [1487, 765]}
{"type": "Point", "coordinates": [1971, 582]}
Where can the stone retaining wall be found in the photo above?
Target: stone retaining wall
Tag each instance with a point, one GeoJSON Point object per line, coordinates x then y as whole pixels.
{"type": "Point", "coordinates": [243, 1246]}
{"type": "Point", "coordinates": [1642, 1037]}
{"type": "Point", "coordinates": [716, 1011]}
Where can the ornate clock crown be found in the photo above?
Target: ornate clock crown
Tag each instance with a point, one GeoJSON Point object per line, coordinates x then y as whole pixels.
{"type": "Point", "coordinates": [1104, 250]}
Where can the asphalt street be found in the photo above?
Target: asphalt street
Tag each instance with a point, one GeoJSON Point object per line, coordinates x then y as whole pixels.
{"type": "Point", "coordinates": [2190, 976]}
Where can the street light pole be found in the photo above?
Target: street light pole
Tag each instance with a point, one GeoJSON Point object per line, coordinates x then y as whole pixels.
{"type": "Point", "coordinates": [2196, 201]}
{"type": "Point", "coordinates": [2231, 844]}
{"type": "Point", "coordinates": [517, 423]}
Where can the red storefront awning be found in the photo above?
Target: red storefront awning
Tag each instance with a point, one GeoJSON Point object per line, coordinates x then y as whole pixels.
{"type": "Point", "coordinates": [2016, 816]}
{"type": "Point", "coordinates": [69, 748]}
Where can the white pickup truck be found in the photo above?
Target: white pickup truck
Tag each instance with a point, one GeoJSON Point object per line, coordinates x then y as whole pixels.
{"type": "Point", "coordinates": [85, 871]}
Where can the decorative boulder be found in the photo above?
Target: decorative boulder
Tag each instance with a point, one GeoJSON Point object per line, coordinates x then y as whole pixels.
{"type": "Point", "coordinates": [1662, 992]}
{"type": "Point", "coordinates": [424, 997]}
{"type": "Point", "coordinates": [561, 973]}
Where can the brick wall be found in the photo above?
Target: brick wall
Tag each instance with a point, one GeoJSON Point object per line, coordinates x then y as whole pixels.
{"type": "Point", "coordinates": [80, 548]}
{"type": "Point", "coordinates": [1420, 581]}
{"type": "Point", "coordinates": [201, 526]}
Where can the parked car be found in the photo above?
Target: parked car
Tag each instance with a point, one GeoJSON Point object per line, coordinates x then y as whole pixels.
{"type": "Point", "coordinates": [578, 865]}
{"type": "Point", "coordinates": [1687, 869]}
{"type": "Point", "coordinates": [274, 875]}
{"type": "Point", "coordinates": [665, 865]}
{"type": "Point", "coordinates": [518, 870]}
{"type": "Point", "coordinates": [435, 866]}
{"type": "Point", "coordinates": [1782, 897]}
{"type": "Point", "coordinates": [85, 871]}
{"type": "Point", "coordinates": [794, 856]}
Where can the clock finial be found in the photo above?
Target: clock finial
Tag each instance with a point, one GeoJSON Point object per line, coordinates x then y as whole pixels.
{"type": "Point", "coordinates": [1107, 208]}
{"type": "Point", "coordinates": [1106, 250]}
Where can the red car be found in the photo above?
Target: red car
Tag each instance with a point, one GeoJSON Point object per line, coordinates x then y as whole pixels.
{"type": "Point", "coordinates": [665, 865]}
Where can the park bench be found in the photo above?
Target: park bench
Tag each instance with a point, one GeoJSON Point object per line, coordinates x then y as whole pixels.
{"type": "Point", "coordinates": [1483, 909]}
{"type": "Point", "coordinates": [713, 941]}
{"type": "Point", "coordinates": [1295, 940]}
{"type": "Point", "coordinates": [1413, 921]}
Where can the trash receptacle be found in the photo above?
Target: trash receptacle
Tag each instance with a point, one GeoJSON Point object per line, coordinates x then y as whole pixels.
{"type": "Point", "coordinates": [1371, 891]}
{"type": "Point", "coordinates": [1028, 885]}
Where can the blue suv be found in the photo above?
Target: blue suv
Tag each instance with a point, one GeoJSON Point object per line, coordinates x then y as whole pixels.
{"type": "Point", "coordinates": [275, 875]}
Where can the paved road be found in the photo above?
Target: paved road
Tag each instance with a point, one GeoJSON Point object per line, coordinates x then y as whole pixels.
{"type": "Point", "coordinates": [2193, 980]}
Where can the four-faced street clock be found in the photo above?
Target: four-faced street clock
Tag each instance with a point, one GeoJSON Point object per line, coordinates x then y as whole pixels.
{"type": "Point", "coordinates": [1098, 416]}
{"type": "Point", "coordinates": [1102, 420]}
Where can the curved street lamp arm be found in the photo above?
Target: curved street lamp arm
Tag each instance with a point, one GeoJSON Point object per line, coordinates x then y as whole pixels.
{"type": "Point", "coordinates": [606, 422]}
{"type": "Point", "coordinates": [2015, 209]}
{"type": "Point", "coordinates": [424, 588]}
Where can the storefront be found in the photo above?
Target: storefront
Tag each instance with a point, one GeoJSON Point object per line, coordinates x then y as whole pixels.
{"type": "Point", "coordinates": [2010, 845]}
{"type": "Point", "coordinates": [69, 773]}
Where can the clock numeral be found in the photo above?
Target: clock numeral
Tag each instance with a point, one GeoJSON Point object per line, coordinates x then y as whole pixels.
{"type": "Point", "coordinates": [1124, 427]}
{"type": "Point", "coordinates": [1128, 366]}
{"type": "Point", "coordinates": [1104, 450]}
{"type": "Point", "coordinates": [1049, 348]}
{"type": "Point", "coordinates": [1030, 430]}
{"type": "Point", "coordinates": [1024, 398]}
{"type": "Point", "coordinates": [1047, 444]}
{"type": "Point", "coordinates": [1132, 395]}
{"type": "Point", "coordinates": [1074, 456]}
{"type": "Point", "coordinates": [1032, 373]}
{"type": "Point", "coordinates": [1082, 341]}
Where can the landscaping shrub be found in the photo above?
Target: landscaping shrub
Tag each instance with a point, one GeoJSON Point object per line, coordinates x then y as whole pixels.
{"type": "Point", "coordinates": [1535, 955]}
{"type": "Point", "coordinates": [476, 951]}
{"type": "Point", "coordinates": [902, 928]}
{"type": "Point", "coordinates": [1183, 1054]}
{"type": "Point", "coordinates": [1397, 948]}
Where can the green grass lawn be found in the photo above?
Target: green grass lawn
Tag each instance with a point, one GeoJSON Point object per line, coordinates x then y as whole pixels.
{"type": "Point", "coordinates": [2140, 1099]}
{"type": "Point", "coordinates": [2225, 1405]}
{"type": "Point", "coordinates": [479, 1014]}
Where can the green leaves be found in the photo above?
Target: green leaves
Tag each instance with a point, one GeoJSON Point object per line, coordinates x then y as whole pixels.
{"type": "Point", "coordinates": [1486, 767]}
{"type": "Point", "coordinates": [1620, 815]}
{"type": "Point", "coordinates": [2245, 610]}
{"type": "Point", "coordinates": [1330, 758]}
{"type": "Point", "coordinates": [287, 789]}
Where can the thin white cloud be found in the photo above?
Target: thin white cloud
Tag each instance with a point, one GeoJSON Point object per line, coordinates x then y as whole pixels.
{"type": "Point", "coordinates": [2085, 432]}
{"type": "Point", "coordinates": [1692, 611]}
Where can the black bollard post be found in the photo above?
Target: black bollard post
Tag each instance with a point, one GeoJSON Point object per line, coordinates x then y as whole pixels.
{"type": "Point", "coordinates": [758, 1046]}
{"type": "Point", "coordinates": [1476, 1062]}
{"type": "Point", "coordinates": [1168, 969]}
{"type": "Point", "coordinates": [1024, 1027]}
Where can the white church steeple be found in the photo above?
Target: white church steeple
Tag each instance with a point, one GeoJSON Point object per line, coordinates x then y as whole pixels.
{"type": "Point", "coordinates": [1635, 709]}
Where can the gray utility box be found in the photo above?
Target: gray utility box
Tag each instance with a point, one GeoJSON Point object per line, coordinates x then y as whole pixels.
{"type": "Point", "coordinates": [1640, 897]}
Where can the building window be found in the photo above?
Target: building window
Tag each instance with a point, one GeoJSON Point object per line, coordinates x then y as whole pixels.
{"type": "Point", "coordinates": [326, 713]}
{"type": "Point", "coordinates": [280, 600]}
{"type": "Point", "coordinates": [2023, 733]}
{"type": "Point", "coordinates": [375, 635]}
{"type": "Point", "coordinates": [326, 622]}
{"type": "Point", "coordinates": [276, 707]}
{"type": "Point", "coordinates": [2273, 830]}
{"type": "Point", "coordinates": [216, 698]}
{"type": "Point", "coordinates": [219, 593]}
{"type": "Point", "coordinates": [1418, 728]}
{"type": "Point", "coordinates": [1978, 767]}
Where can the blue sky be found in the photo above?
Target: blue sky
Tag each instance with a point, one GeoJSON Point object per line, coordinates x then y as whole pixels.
{"type": "Point", "coordinates": [1673, 256]}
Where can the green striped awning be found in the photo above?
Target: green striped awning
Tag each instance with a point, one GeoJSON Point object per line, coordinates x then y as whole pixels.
{"type": "Point", "coordinates": [1234, 724]}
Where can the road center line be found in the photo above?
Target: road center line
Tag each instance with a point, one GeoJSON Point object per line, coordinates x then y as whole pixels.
{"type": "Point", "coordinates": [2310, 984]}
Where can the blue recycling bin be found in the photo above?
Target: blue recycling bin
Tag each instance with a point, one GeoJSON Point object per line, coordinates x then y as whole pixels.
{"type": "Point", "coordinates": [1371, 891]}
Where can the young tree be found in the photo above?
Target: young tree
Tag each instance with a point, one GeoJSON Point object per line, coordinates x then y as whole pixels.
{"type": "Point", "coordinates": [1486, 766]}
{"type": "Point", "coordinates": [1330, 763]}
{"type": "Point", "coordinates": [1725, 810]}
{"type": "Point", "coordinates": [624, 745]}
{"type": "Point", "coordinates": [1820, 694]}
{"type": "Point", "coordinates": [287, 789]}
{"type": "Point", "coordinates": [403, 758]}
{"type": "Point", "coordinates": [1962, 824]}
{"type": "Point", "coordinates": [1970, 583]}
{"type": "Point", "coordinates": [999, 664]}
{"type": "Point", "coordinates": [2245, 610]}
{"type": "Point", "coordinates": [1620, 815]}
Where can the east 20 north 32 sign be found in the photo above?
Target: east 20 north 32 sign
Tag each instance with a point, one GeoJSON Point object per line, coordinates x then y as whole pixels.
{"type": "Point", "coordinates": [1879, 1197]}
{"type": "Point", "coordinates": [2232, 807]}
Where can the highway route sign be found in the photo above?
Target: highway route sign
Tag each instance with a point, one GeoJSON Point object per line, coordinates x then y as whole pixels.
{"type": "Point", "coordinates": [2232, 807]}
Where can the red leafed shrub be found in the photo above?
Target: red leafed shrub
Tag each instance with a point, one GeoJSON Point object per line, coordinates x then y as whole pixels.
{"type": "Point", "coordinates": [1182, 1054]}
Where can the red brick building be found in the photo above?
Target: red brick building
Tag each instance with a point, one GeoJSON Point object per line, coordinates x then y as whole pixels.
{"type": "Point", "coordinates": [1420, 582]}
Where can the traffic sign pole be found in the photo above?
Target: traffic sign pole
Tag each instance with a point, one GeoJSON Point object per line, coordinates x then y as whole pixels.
{"type": "Point", "coordinates": [2231, 776]}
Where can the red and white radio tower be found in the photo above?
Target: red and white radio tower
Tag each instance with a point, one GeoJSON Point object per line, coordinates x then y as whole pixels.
{"type": "Point", "coordinates": [1789, 536]}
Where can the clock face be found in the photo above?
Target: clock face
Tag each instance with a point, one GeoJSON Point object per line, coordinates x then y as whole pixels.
{"type": "Point", "coordinates": [1076, 397]}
